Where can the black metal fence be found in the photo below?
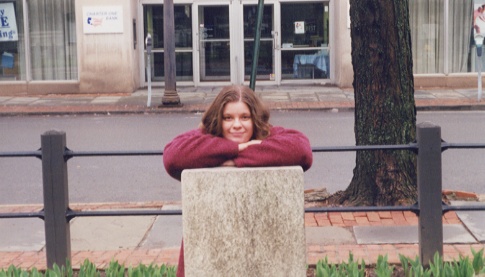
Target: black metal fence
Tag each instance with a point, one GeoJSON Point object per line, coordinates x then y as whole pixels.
{"type": "Point", "coordinates": [57, 214]}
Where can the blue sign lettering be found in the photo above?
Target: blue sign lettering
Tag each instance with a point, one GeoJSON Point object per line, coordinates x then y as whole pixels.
{"type": "Point", "coordinates": [7, 34]}
{"type": "Point", "coordinates": [4, 21]}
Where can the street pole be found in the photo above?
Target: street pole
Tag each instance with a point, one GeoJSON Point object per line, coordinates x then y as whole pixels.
{"type": "Point", "coordinates": [148, 44]}
{"type": "Point", "coordinates": [479, 62]}
{"type": "Point", "coordinates": [479, 45]}
{"type": "Point", "coordinates": [257, 38]}
{"type": "Point", "coordinates": [478, 35]}
{"type": "Point", "coordinates": [170, 96]}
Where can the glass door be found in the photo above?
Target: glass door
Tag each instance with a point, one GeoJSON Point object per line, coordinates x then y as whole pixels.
{"type": "Point", "coordinates": [226, 42]}
{"type": "Point", "coordinates": [214, 43]}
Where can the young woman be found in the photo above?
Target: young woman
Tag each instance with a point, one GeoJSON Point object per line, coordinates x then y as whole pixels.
{"type": "Point", "coordinates": [235, 131]}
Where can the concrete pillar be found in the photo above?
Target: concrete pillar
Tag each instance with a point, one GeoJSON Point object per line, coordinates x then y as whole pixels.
{"type": "Point", "coordinates": [244, 221]}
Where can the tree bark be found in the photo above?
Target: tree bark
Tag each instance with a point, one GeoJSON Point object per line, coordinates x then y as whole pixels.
{"type": "Point", "coordinates": [385, 111]}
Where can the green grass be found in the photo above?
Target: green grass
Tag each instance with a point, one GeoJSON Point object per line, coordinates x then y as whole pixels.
{"type": "Point", "coordinates": [88, 269]}
{"type": "Point", "coordinates": [463, 267]}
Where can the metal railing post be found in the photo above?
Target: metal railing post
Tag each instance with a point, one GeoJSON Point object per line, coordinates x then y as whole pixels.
{"type": "Point", "coordinates": [430, 224]}
{"type": "Point", "coordinates": [56, 198]}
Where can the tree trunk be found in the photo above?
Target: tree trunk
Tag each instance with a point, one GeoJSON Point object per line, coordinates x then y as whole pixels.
{"type": "Point", "coordinates": [385, 112]}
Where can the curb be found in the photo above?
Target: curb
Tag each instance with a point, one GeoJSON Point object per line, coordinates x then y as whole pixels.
{"type": "Point", "coordinates": [59, 110]}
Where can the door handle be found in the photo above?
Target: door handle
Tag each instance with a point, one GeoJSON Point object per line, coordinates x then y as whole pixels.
{"type": "Point", "coordinates": [198, 41]}
{"type": "Point", "coordinates": [275, 40]}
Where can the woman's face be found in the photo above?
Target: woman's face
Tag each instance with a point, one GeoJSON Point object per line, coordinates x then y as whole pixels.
{"type": "Point", "coordinates": [237, 124]}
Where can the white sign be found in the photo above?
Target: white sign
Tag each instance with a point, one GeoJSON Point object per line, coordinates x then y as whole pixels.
{"type": "Point", "coordinates": [8, 24]}
{"type": "Point", "coordinates": [299, 27]}
{"type": "Point", "coordinates": [103, 19]}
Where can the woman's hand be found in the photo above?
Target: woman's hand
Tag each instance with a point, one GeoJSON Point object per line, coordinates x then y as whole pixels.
{"type": "Point", "coordinates": [242, 146]}
{"type": "Point", "coordinates": [245, 145]}
{"type": "Point", "coordinates": [228, 163]}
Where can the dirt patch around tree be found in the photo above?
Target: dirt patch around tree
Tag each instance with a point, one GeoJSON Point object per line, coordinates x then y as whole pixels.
{"type": "Point", "coordinates": [321, 197]}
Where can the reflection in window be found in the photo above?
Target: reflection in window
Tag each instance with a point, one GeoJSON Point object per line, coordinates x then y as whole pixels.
{"type": "Point", "coordinates": [52, 26]}
{"type": "Point", "coordinates": [304, 40]}
{"type": "Point", "coordinates": [153, 24]}
{"type": "Point", "coordinates": [214, 43]}
{"type": "Point", "coordinates": [305, 64]}
{"type": "Point", "coordinates": [12, 44]}
{"type": "Point", "coordinates": [183, 66]}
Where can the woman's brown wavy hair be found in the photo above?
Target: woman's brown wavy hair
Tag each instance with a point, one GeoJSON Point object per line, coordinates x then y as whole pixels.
{"type": "Point", "coordinates": [212, 119]}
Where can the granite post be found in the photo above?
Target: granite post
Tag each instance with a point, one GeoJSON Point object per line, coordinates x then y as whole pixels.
{"type": "Point", "coordinates": [244, 221]}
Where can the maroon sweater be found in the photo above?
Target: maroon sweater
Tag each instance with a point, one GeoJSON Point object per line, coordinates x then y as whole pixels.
{"type": "Point", "coordinates": [194, 149]}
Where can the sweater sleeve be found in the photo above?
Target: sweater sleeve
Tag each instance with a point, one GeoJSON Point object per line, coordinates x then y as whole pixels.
{"type": "Point", "coordinates": [284, 147]}
{"type": "Point", "coordinates": [194, 149]}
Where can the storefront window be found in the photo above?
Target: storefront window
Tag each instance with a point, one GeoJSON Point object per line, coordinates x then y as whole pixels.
{"type": "Point", "coordinates": [460, 20]}
{"type": "Point", "coordinates": [153, 24]}
{"type": "Point", "coordinates": [12, 44]}
{"type": "Point", "coordinates": [428, 34]}
{"type": "Point", "coordinates": [426, 19]}
{"type": "Point", "coordinates": [304, 40]}
{"type": "Point", "coordinates": [52, 36]}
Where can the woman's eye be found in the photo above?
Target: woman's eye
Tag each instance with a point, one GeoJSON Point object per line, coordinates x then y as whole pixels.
{"type": "Point", "coordinates": [226, 118]}
{"type": "Point", "coordinates": [246, 117]}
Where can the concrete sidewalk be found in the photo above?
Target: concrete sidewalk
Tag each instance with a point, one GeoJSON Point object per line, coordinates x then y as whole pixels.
{"type": "Point", "coordinates": [197, 99]}
{"type": "Point", "coordinates": [156, 239]}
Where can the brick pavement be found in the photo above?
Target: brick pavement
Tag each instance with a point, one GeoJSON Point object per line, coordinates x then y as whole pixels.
{"type": "Point", "coordinates": [335, 253]}
{"type": "Point", "coordinates": [370, 252]}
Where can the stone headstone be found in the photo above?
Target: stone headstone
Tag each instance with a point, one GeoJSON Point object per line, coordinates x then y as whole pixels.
{"type": "Point", "coordinates": [244, 221]}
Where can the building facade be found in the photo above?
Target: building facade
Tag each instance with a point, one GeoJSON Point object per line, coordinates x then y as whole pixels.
{"type": "Point", "coordinates": [98, 46]}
